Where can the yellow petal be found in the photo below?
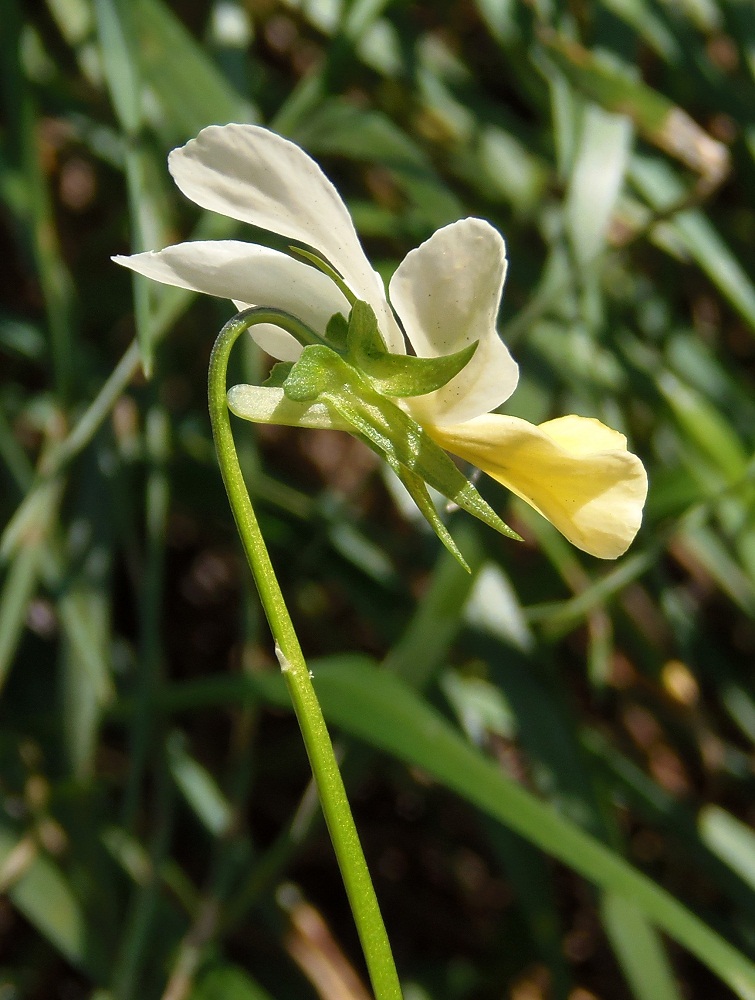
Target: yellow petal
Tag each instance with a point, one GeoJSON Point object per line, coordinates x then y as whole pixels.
{"type": "Point", "coordinates": [574, 470]}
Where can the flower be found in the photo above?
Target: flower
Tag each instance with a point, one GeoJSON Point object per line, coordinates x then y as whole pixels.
{"type": "Point", "coordinates": [574, 470]}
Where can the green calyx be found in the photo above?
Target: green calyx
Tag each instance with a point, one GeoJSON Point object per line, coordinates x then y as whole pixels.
{"type": "Point", "coordinates": [359, 398]}
{"type": "Point", "coordinates": [397, 375]}
{"type": "Point", "coordinates": [354, 379]}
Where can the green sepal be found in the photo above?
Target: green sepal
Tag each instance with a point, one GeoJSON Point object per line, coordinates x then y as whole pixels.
{"type": "Point", "coordinates": [417, 489]}
{"type": "Point", "coordinates": [278, 375]}
{"type": "Point", "coordinates": [397, 374]}
{"type": "Point", "coordinates": [310, 376]}
{"type": "Point", "coordinates": [326, 268]}
{"type": "Point", "coordinates": [322, 375]}
{"type": "Point", "coordinates": [337, 331]}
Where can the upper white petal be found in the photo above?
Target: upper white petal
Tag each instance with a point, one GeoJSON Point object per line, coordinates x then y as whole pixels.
{"type": "Point", "coordinates": [253, 175]}
{"type": "Point", "coordinates": [447, 293]}
{"type": "Point", "coordinates": [249, 275]}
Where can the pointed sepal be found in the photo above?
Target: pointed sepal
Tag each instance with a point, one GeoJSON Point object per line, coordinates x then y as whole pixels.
{"type": "Point", "coordinates": [417, 489]}
{"type": "Point", "coordinates": [398, 375]}
{"type": "Point", "coordinates": [278, 375]}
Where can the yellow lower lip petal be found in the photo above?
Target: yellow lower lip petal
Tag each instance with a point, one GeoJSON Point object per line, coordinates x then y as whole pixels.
{"type": "Point", "coordinates": [574, 471]}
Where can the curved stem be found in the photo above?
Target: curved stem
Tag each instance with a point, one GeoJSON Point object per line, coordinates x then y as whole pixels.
{"type": "Point", "coordinates": [335, 805]}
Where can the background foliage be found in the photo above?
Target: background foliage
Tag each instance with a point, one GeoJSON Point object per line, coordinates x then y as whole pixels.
{"type": "Point", "coordinates": [157, 837]}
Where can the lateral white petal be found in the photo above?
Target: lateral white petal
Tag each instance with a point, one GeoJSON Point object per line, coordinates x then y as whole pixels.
{"type": "Point", "coordinates": [273, 340]}
{"type": "Point", "coordinates": [447, 293]}
{"type": "Point", "coordinates": [253, 175]}
{"type": "Point", "coordinates": [249, 275]}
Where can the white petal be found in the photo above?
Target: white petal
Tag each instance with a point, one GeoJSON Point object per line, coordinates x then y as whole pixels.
{"type": "Point", "coordinates": [249, 275]}
{"type": "Point", "coordinates": [447, 293]}
{"type": "Point", "coordinates": [253, 175]}
{"type": "Point", "coordinates": [574, 470]}
{"type": "Point", "coordinates": [267, 405]}
{"type": "Point", "coordinates": [273, 339]}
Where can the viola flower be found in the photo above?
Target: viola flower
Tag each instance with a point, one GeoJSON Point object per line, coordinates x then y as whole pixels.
{"type": "Point", "coordinates": [574, 470]}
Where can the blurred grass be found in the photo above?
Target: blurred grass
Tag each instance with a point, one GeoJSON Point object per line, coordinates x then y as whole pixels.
{"type": "Point", "coordinates": [155, 808]}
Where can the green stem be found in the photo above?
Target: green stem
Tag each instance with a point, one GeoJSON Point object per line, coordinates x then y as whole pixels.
{"type": "Point", "coordinates": [335, 804]}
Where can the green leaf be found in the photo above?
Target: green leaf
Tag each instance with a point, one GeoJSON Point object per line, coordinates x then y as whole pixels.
{"type": "Point", "coordinates": [480, 706]}
{"type": "Point", "coordinates": [135, 860]}
{"type": "Point", "coordinates": [596, 180]}
{"type": "Point", "coordinates": [640, 950]}
{"type": "Point", "coordinates": [85, 668]}
{"type": "Point", "coordinates": [422, 649]}
{"type": "Point", "coordinates": [19, 586]}
{"type": "Point", "coordinates": [26, 542]}
{"type": "Point", "coordinates": [43, 894]}
{"type": "Point", "coordinates": [189, 88]}
{"type": "Point", "coordinates": [198, 787]}
{"type": "Point", "coordinates": [662, 811]}
{"type": "Point", "coordinates": [227, 982]}
{"type": "Point", "coordinates": [641, 15]}
{"type": "Point", "coordinates": [120, 60]}
{"type": "Point", "coordinates": [658, 183]}
{"type": "Point", "coordinates": [710, 553]}
{"type": "Point", "coordinates": [335, 127]}
{"type": "Point", "coordinates": [662, 122]}
{"type": "Point", "coordinates": [705, 427]}
{"type": "Point", "coordinates": [393, 719]}
{"type": "Point", "coordinates": [731, 839]}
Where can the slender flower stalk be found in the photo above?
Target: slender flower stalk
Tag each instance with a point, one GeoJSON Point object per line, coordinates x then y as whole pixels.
{"type": "Point", "coordinates": [319, 748]}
